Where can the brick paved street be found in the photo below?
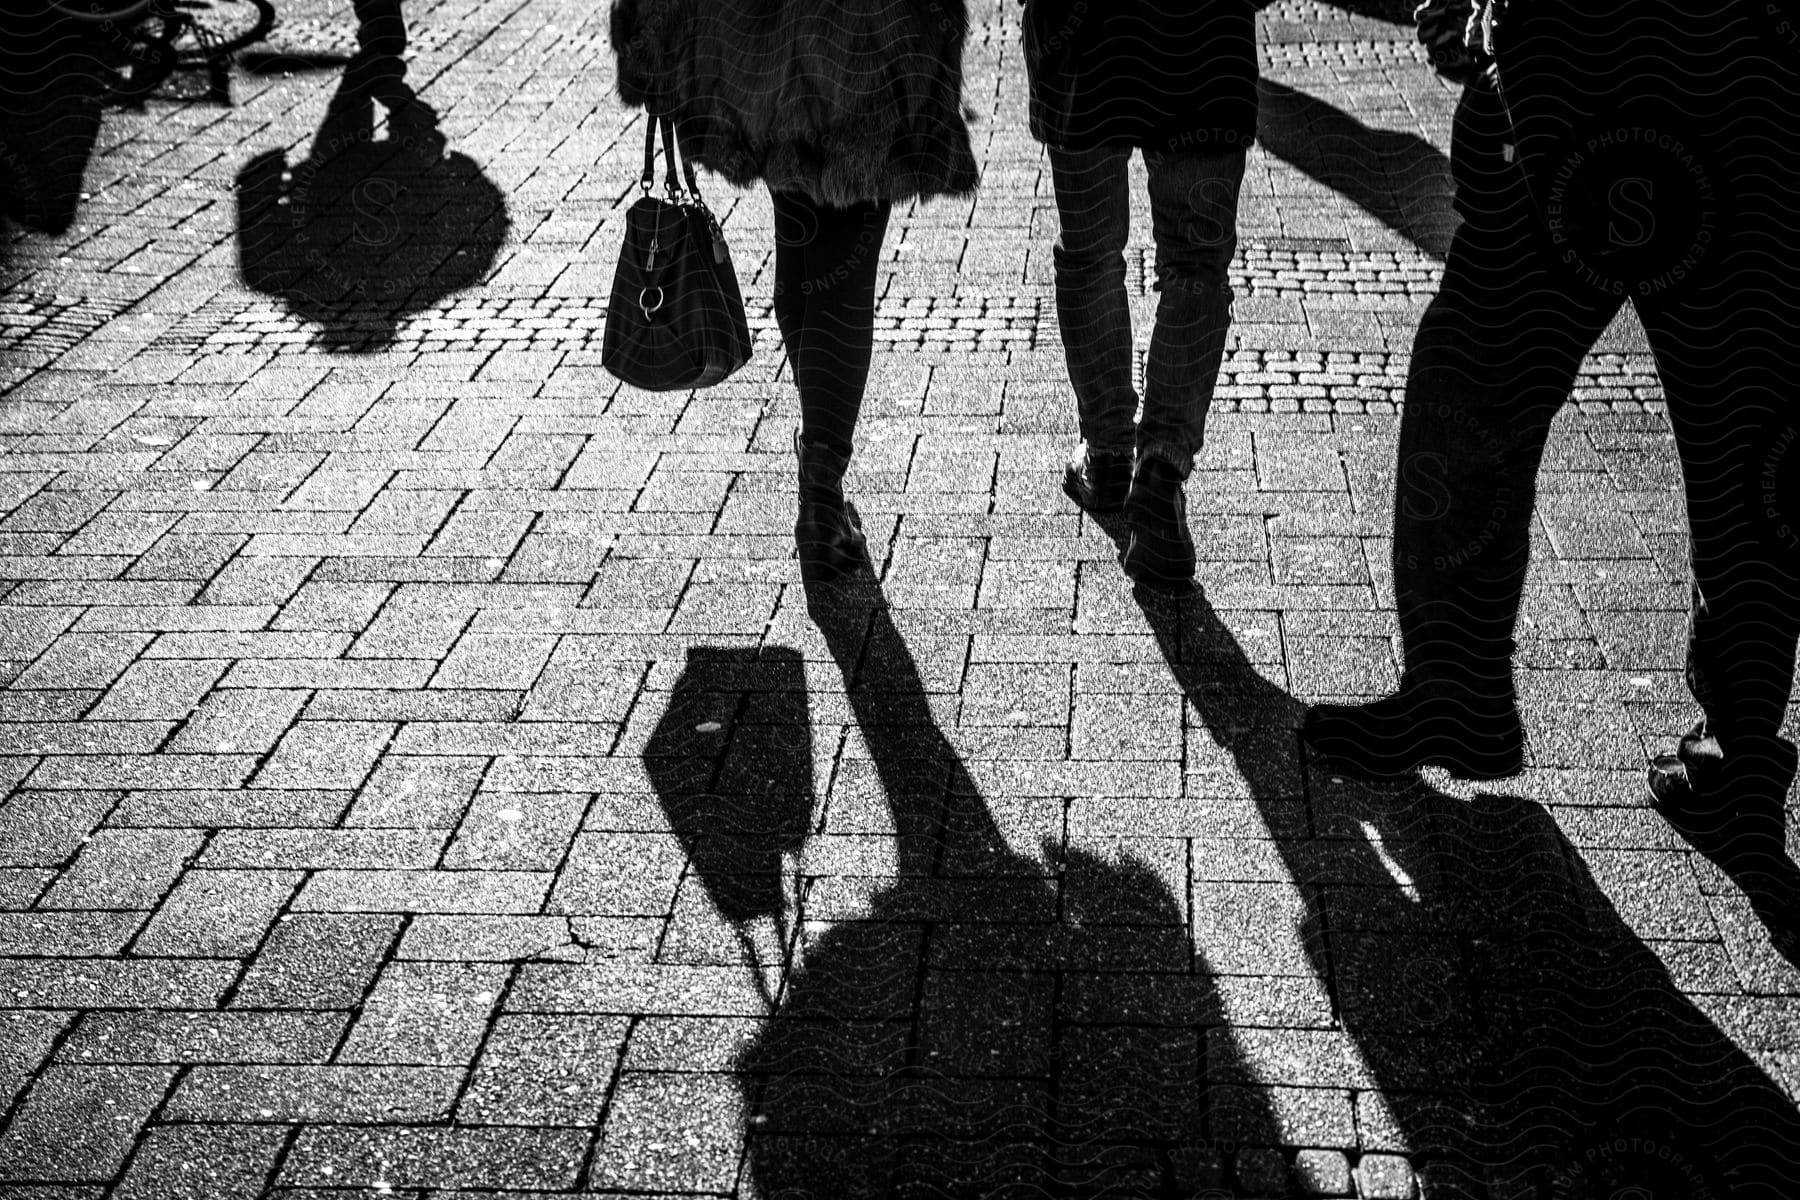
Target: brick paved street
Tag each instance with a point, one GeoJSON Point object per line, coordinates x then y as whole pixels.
{"type": "Point", "coordinates": [424, 774]}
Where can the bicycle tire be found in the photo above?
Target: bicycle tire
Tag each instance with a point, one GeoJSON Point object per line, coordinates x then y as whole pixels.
{"type": "Point", "coordinates": [99, 12]}
{"type": "Point", "coordinates": [203, 44]}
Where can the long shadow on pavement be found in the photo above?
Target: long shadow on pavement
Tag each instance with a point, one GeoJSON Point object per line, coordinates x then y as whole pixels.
{"type": "Point", "coordinates": [1510, 1031]}
{"type": "Point", "coordinates": [367, 230]}
{"type": "Point", "coordinates": [1398, 178]}
{"type": "Point", "coordinates": [978, 1022]}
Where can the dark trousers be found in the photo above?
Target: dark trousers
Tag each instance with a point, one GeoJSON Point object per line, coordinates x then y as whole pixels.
{"type": "Point", "coordinates": [826, 262]}
{"type": "Point", "coordinates": [1495, 358]}
{"type": "Point", "coordinates": [1193, 206]}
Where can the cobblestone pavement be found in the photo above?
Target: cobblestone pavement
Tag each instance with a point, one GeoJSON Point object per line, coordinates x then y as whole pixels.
{"type": "Point", "coordinates": [424, 773]}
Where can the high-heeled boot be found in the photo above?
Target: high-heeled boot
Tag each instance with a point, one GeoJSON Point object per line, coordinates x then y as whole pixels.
{"type": "Point", "coordinates": [827, 535]}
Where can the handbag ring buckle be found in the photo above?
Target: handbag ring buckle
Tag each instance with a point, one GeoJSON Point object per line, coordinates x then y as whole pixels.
{"type": "Point", "coordinates": [650, 308]}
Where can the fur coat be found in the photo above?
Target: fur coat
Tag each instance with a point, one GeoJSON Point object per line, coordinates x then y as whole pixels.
{"type": "Point", "coordinates": [842, 100]}
{"type": "Point", "coordinates": [1160, 74]}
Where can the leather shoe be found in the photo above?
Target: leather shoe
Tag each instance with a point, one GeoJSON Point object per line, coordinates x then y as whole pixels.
{"type": "Point", "coordinates": [1098, 479]}
{"type": "Point", "coordinates": [1161, 551]}
{"type": "Point", "coordinates": [1399, 734]}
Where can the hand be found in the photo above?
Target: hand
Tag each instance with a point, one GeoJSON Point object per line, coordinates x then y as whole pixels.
{"type": "Point", "coordinates": [1458, 36]}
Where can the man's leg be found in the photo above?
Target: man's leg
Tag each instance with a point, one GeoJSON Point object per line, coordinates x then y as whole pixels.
{"type": "Point", "coordinates": [1494, 359]}
{"type": "Point", "coordinates": [1193, 206]}
{"type": "Point", "coordinates": [1724, 349]}
{"type": "Point", "coordinates": [1095, 214]}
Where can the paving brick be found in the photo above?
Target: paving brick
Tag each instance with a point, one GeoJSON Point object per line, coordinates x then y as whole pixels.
{"type": "Point", "coordinates": [83, 660]}
{"type": "Point", "coordinates": [198, 1037]}
{"type": "Point", "coordinates": [180, 772]}
{"type": "Point", "coordinates": [335, 1094]}
{"type": "Point", "coordinates": [258, 581]}
{"type": "Point", "coordinates": [333, 607]}
{"type": "Point", "coordinates": [411, 792]}
{"type": "Point", "coordinates": [218, 914]}
{"type": "Point", "coordinates": [619, 875]}
{"type": "Point", "coordinates": [28, 1038]}
{"type": "Point", "coordinates": [115, 983]}
{"type": "Point", "coordinates": [124, 868]}
{"type": "Point", "coordinates": [78, 1123]}
{"type": "Point", "coordinates": [323, 849]}
{"type": "Point", "coordinates": [544, 1071]}
{"type": "Point", "coordinates": [225, 809]}
{"type": "Point", "coordinates": [249, 721]}
{"type": "Point", "coordinates": [325, 754]}
{"type": "Point", "coordinates": [402, 1156]}
{"type": "Point", "coordinates": [67, 934]}
{"type": "Point", "coordinates": [672, 1132]}
{"type": "Point", "coordinates": [152, 689]}
{"type": "Point", "coordinates": [478, 938]}
{"type": "Point", "coordinates": [507, 831]}
{"type": "Point", "coordinates": [317, 960]}
{"type": "Point", "coordinates": [494, 661]}
{"type": "Point", "coordinates": [497, 892]}
{"type": "Point", "coordinates": [47, 828]}
{"type": "Point", "coordinates": [218, 1162]}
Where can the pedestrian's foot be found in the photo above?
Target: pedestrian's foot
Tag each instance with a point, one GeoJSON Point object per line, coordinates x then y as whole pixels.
{"type": "Point", "coordinates": [1097, 479]}
{"type": "Point", "coordinates": [1743, 822]}
{"type": "Point", "coordinates": [1160, 553]}
{"type": "Point", "coordinates": [1397, 735]}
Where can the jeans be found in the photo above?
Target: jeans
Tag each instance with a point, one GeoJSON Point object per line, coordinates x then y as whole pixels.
{"type": "Point", "coordinates": [1495, 358]}
{"type": "Point", "coordinates": [1193, 205]}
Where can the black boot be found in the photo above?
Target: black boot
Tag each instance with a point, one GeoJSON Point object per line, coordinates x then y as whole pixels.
{"type": "Point", "coordinates": [827, 535]}
{"type": "Point", "coordinates": [1097, 479]}
{"type": "Point", "coordinates": [1470, 728]}
{"type": "Point", "coordinates": [1161, 551]}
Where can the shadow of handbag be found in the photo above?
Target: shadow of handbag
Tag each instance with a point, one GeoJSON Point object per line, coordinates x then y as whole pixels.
{"type": "Point", "coordinates": [676, 317]}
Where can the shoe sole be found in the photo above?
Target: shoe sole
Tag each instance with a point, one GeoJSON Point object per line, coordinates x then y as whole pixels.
{"type": "Point", "coordinates": [1459, 769]}
{"type": "Point", "coordinates": [1351, 769]}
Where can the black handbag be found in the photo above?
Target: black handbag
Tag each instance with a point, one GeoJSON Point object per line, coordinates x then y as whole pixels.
{"type": "Point", "coordinates": [676, 319]}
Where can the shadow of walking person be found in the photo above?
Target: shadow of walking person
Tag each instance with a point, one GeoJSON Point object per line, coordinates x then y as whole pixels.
{"type": "Point", "coordinates": [960, 1018]}
{"type": "Point", "coordinates": [1398, 178]}
{"type": "Point", "coordinates": [50, 106]}
{"type": "Point", "coordinates": [366, 231]}
{"type": "Point", "coordinates": [1513, 1034]}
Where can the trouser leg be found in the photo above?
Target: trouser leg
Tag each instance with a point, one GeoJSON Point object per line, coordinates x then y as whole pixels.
{"type": "Point", "coordinates": [1193, 204]}
{"type": "Point", "coordinates": [1094, 209]}
{"type": "Point", "coordinates": [1494, 359]}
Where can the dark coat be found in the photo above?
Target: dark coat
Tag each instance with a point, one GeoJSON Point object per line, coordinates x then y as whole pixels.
{"type": "Point", "coordinates": [843, 100]}
{"type": "Point", "coordinates": [1160, 74]}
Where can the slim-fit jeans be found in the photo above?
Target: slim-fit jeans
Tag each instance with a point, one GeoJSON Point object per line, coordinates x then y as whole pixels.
{"type": "Point", "coordinates": [1193, 206]}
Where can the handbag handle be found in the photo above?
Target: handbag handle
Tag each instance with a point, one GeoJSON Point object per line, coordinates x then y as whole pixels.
{"type": "Point", "coordinates": [670, 185]}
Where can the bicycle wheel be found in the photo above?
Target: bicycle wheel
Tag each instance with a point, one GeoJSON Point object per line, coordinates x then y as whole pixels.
{"type": "Point", "coordinates": [98, 12]}
{"type": "Point", "coordinates": [216, 28]}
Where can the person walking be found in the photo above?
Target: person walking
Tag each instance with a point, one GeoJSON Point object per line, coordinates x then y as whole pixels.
{"type": "Point", "coordinates": [1176, 79]}
{"type": "Point", "coordinates": [843, 108]}
{"type": "Point", "coordinates": [1644, 151]}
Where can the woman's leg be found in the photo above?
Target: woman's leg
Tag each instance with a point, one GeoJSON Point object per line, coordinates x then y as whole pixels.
{"type": "Point", "coordinates": [841, 254]}
{"type": "Point", "coordinates": [793, 225]}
